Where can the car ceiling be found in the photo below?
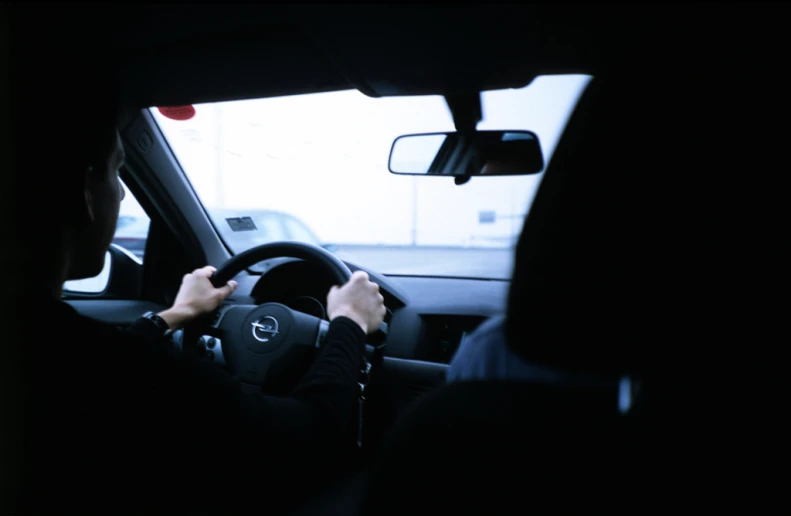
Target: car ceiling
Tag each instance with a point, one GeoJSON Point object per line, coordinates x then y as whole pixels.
{"type": "Point", "coordinates": [179, 54]}
{"type": "Point", "coordinates": [257, 51]}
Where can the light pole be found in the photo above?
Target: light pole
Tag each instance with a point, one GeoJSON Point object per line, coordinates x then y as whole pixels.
{"type": "Point", "coordinates": [218, 188]}
{"type": "Point", "coordinates": [414, 211]}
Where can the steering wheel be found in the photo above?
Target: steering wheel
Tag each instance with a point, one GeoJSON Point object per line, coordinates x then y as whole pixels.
{"type": "Point", "coordinates": [249, 339]}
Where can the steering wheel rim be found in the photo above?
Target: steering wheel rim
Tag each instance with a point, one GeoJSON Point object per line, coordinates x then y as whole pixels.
{"type": "Point", "coordinates": [251, 338]}
{"type": "Point", "coordinates": [310, 253]}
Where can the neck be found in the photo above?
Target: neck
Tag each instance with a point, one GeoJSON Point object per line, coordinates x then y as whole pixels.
{"type": "Point", "coordinates": [55, 285]}
{"type": "Point", "coordinates": [38, 286]}
{"type": "Point", "coordinates": [37, 278]}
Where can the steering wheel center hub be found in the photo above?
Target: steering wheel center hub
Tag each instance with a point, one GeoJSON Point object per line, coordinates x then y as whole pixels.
{"type": "Point", "coordinates": [266, 328]}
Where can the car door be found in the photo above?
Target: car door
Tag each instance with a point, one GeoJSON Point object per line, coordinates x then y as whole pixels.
{"type": "Point", "coordinates": [298, 231]}
{"type": "Point", "coordinates": [272, 227]}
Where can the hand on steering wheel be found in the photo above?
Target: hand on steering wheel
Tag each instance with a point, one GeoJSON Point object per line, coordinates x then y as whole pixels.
{"type": "Point", "coordinates": [196, 297]}
{"type": "Point", "coordinates": [359, 300]}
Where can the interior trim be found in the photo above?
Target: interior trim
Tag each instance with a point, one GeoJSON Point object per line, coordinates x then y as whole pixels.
{"type": "Point", "coordinates": [147, 142]}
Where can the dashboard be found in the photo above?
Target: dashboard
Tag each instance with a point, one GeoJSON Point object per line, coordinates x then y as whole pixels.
{"type": "Point", "coordinates": [296, 284]}
{"type": "Point", "coordinates": [428, 317]}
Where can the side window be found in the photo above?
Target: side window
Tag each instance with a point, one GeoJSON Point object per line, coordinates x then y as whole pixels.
{"type": "Point", "coordinates": [298, 231]}
{"type": "Point", "coordinates": [131, 233]}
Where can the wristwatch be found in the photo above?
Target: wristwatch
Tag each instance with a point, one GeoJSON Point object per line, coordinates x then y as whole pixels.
{"type": "Point", "coordinates": [159, 323]}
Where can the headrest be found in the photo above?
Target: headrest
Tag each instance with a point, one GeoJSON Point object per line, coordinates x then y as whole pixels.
{"type": "Point", "coordinates": [589, 282]}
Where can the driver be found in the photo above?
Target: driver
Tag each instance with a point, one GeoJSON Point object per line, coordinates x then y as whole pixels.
{"type": "Point", "coordinates": [111, 419]}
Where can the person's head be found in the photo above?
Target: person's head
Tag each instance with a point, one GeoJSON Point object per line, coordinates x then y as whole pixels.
{"type": "Point", "coordinates": [589, 258]}
{"type": "Point", "coordinates": [95, 215]}
{"type": "Point", "coordinates": [68, 153]}
{"type": "Point", "coordinates": [502, 167]}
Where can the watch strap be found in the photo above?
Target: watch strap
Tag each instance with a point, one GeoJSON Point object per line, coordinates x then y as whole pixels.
{"type": "Point", "coordinates": [158, 322]}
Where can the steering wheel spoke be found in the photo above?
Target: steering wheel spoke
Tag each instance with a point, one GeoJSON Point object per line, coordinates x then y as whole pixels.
{"type": "Point", "coordinates": [309, 330]}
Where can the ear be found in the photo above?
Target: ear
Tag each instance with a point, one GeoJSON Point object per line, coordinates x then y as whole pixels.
{"type": "Point", "coordinates": [89, 209]}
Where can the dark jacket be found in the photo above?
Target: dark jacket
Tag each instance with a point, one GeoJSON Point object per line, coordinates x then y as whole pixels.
{"type": "Point", "coordinates": [116, 421]}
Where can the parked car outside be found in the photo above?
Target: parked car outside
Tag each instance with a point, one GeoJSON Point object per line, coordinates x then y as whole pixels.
{"type": "Point", "coordinates": [131, 233]}
{"type": "Point", "coordinates": [267, 226]}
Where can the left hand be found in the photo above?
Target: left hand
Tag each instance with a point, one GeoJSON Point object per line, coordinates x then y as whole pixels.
{"type": "Point", "coordinates": [196, 297]}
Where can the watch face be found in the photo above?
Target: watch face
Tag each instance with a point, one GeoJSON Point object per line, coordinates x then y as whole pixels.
{"type": "Point", "coordinates": [157, 320]}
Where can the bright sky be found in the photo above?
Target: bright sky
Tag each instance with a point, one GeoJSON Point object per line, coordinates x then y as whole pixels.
{"type": "Point", "coordinates": [323, 158]}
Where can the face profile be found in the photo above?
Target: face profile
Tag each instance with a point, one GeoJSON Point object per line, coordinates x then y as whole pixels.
{"type": "Point", "coordinates": [103, 194]}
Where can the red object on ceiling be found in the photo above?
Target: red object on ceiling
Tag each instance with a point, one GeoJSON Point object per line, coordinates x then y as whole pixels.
{"type": "Point", "coordinates": [177, 112]}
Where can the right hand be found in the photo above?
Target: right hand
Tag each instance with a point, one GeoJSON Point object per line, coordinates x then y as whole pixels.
{"type": "Point", "coordinates": [359, 300]}
{"type": "Point", "coordinates": [197, 296]}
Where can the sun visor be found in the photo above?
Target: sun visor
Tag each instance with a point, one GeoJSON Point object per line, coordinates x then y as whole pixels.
{"type": "Point", "coordinates": [428, 51]}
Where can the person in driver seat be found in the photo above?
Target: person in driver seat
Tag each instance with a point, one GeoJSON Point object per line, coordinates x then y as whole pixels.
{"type": "Point", "coordinates": [110, 419]}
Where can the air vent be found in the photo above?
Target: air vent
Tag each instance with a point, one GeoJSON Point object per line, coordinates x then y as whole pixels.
{"type": "Point", "coordinates": [442, 335]}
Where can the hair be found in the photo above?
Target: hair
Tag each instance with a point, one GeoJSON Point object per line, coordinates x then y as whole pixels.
{"type": "Point", "coordinates": [65, 115]}
{"type": "Point", "coordinates": [69, 133]}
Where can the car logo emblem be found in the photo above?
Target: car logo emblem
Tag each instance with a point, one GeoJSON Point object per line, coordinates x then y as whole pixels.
{"type": "Point", "coordinates": [265, 329]}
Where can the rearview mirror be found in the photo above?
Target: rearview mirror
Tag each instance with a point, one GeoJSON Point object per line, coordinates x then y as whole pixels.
{"type": "Point", "coordinates": [481, 153]}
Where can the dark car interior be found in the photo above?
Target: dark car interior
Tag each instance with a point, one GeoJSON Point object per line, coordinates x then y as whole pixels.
{"type": "Point", "coordinates": [620, 269]}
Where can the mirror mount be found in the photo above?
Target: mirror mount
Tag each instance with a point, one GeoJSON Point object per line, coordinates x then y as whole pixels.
{"type": "Point", "coordinates": [466, 112]}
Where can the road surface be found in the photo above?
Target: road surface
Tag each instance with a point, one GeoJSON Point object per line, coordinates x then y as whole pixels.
{"type": "Point", "coordinates": [431, 261]}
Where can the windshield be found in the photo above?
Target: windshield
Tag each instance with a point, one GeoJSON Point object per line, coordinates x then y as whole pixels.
{"type": "Point", "coordinates": [313, 168]}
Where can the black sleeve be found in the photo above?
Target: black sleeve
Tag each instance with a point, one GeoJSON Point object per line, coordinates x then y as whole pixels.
{"type": "Point", "coordinates": [146, 329]}
{"type": "Point", "coordinates": [319, 409]}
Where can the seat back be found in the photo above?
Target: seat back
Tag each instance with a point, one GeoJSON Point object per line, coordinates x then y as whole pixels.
{"type": "Point", "coordinates": [503, 448]}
